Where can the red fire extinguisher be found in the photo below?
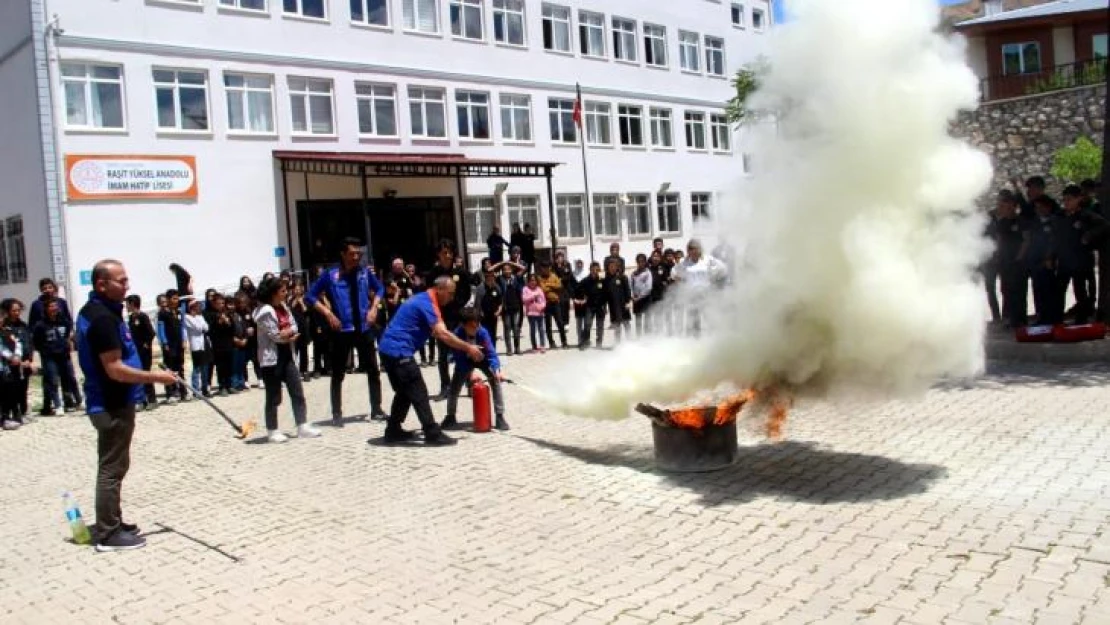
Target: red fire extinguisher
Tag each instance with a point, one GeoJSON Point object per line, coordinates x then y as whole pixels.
{"type": "Point", "coordinates": [479, 393]}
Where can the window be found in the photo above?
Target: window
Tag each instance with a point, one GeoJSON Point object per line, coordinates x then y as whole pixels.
{"type": "Point", "coordinates": [598, 131]}
{"type": "Point", "coordinates": [689, 52]}
{"type": "Point", "coordinates": [556, 28]}
{"type": "Point", "coordinates": [17, 254]}
{"type": "Point", "coordinates": [699, 205]}
{"type": "Point", "coordinates": [570, 221]}
{"type": "Point", "coordinates": [310, 102]}
{"type": "Point", "coordinates": [4, 276]}
{"type": "Point", "coordinates": [250, 103]}
{"type": "Point", "coordinates": [695, 130]}
{"type": "Point", "coordinates": [508, 21]}
{"type": "Point", "coordinates": [1098, 46]}
{"type": "Point", "coordinates": [428, 111]}
{"type": "Point", "coordinates": [472, 111]}
{"type": "Point", "coordinates": [246, 5]}
{"type": "Point", "coordinates": [630, 124]}
{"type": "Point", "coordinates": [624, 39]}
{"type": "Point", "coordinates": [721, 133]}
{"type": "Point", "coordinates": [715, 56]}
{"type": "Point", "coordinates": [1021, 58]}
{"type": "Point", "coordinates": [757, 19]}
{"type": "Point", "coordinates": [524, 209]}
{"type": "Point", "coordinates": [638, 214]}
{"type": "Point", "coordinates": [315, 9]}
{"type": "Point", "coordinates": [94, 95]}
{"type": "Point", "coordinates": [607, 222]}
{"type": "Point", "coordinates": [561, 113]}
{"type": "Point", "coordinates": [662, 136]}
{"type": "Point", "coordinates": [591, 33]}
{"type": "Point", "coordinates": [421, 16]}
{"type": "Point", "coordinates": [479, 217]}
{"type": "Point", "coordinates": [516, 117]}
{"type": "Point", "coordinates": [667, 212]}
{"type": "Point", "coordinates": [372, 12]}
{"type": "Point", "coordinates": [655, 45]}
{"type": "Point", "coordinates": [182, 98]}
{"type": "Point", "coordinates": [466, 19]}
{"type": "Point", "coordinates": [737, 15]}
{"type": "Point", "coordinates": [377, 109]}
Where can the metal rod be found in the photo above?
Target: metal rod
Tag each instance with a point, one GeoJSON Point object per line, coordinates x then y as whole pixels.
{"type": "Point", "coordinates": [551, 214]}
{"type": "Point", "coordinates": [585, 172]}
{"type": "Point", "coordinates": [288, 220]}
{"type": "Point", "coordinates": [366, 216]}
{"type": "Point", "coordinates": [460, 214]}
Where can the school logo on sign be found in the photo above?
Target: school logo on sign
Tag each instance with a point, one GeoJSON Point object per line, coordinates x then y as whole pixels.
{"type": "Point", "coordinates": [97, 177]}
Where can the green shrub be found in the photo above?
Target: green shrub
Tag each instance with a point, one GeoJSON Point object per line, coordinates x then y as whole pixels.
{"type": "Point", "coordinates": [1078, 161]}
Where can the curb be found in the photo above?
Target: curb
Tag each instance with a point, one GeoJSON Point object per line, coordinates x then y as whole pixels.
{"type": "Point", "coordinates": [1009, 350]}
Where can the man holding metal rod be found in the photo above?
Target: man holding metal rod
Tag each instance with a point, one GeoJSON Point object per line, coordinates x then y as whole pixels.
{"type": "Point", "coordinates": [114, 380]}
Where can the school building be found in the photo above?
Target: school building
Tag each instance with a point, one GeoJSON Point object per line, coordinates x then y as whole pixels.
{"type": "Point", "coordinates": [242, 136]}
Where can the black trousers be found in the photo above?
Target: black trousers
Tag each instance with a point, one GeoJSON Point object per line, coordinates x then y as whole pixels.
{"type": "Point", "coordinates": [146, 357]}
{"type": "Point", "coordinates": [1104, 285]}
{"type": "Point", "coordinates": [553, 316]}
{"type": "Point", "coordinates": [1082, 281]}
{"type": "Point", "coordinates": [990, 283]}
{"type": "Point", "coordinates": [1046, 296]}
{"type": "Point", "coordinates": [174, 359]}
{"type": "Point", "coordinates": [409, 390]}
{"type": "Point", "coordinates": [1015, 294]}
{"type": "Point", "coordinates": [321, 345]}
{"type": "Point", "coordinates": [225, 363]}
{"type": "Point", "coordinates": [342, 344]}
{"type": "Point", "coordinates": [284, 372]}
{"type": "Point", "coordinates": [113, 449]}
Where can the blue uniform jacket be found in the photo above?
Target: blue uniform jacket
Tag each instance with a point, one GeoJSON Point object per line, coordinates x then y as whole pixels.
{"type": "Point", "coordinates": [463, 362]}
{"type": "Point", "coordinates": [101, 392]}
{"type": "Point", "coordinates": [336, 286]}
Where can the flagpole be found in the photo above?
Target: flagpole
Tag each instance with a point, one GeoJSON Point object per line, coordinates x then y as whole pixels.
{"type": "Point", "coordinates": [585, 169]}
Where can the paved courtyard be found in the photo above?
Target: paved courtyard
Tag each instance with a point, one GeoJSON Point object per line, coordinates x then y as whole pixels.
{"type": "Point", "coordinates": [984, 502]}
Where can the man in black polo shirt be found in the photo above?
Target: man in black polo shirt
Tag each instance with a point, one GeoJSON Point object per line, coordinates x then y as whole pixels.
{"type": "Point", "coordinates": [114, 382]}
{"type": "Point", "coordinates": [445, 266]}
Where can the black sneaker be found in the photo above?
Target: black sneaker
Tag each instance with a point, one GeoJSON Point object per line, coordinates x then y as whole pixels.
{"type": "Point", "coordinates": [224, 392]}
{"type": "Point", "coordinates": [121, 540]}
{"type": "Point", "coordinates": [501, 424]}
{"type": "Point", "coordinates": [48, 413]}
{"type": "Point", "coordinates": [398, 436]}
{"type": "Point", "coordinates": [130, 528]}
{"type": "Point", "coordinates": [440, 396]}
{"type": "Point", "coordinates": [378, 415]}
{"type": "Point", "coordinates": [337, 422]}
{"type": "Point", "coordinates": [449, 423]}
{"type": "Point", "coordinates": [440, 440]}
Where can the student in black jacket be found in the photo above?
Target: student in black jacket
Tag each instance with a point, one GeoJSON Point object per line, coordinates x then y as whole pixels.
{"type": "Point", "coordinates": [143, 334]}
{"type": "Point", "coordinates": [1009, 232]}
{"type": "Point", "coordinates": [51, 338]}
{"type": "Point", "coordinates": [221, 332]}
{"type": "Point", "coordinates": [445, 266]}
{"type": "Point", "coordinates": [1084, 232]}
{"type": "Point", "coordinates": [594, 299]}
{"type": "Point", "coordinates": [619, 297]}
{"type": "Point", "coordinates": [173, 342]}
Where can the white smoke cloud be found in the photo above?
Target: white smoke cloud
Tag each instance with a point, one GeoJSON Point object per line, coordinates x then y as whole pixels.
{"type": "Point", "coordinates": [858, 234]}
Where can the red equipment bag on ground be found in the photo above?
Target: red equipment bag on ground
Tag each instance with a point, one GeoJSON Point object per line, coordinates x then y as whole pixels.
{"type": "Point", "coordinates": [480, 397]}
{"type": "Point", "coordinates": [1076, 334]}
{"type": "Point", "coordinates": [1034, 334]}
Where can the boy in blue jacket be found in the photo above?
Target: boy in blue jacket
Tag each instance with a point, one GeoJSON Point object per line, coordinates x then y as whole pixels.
{"type": "Point", "coordinates": [471, 331]}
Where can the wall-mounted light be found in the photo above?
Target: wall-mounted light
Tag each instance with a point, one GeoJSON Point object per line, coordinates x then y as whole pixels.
{"type": "Point", "coordinates": [624, 199]}
{"type": "Point", "coordinates": [389, 193]}
{"type": "Point", "coordinates": [500, 187]}
{"type": "Point", "coordinates": [663, 188]}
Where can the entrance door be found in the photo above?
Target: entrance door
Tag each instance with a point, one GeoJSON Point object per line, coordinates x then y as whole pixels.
{"type": "Point", "coordinates": [400, 227]}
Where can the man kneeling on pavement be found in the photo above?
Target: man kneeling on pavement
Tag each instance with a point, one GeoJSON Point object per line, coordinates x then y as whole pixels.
{"type": "Point", "coordinates": [472, 332]}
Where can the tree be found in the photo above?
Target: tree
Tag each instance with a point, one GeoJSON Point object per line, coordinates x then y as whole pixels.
{"type": "Point", "coordinates": [1078, 161]}
{"type": "Point", "coordinates": [746, 82]}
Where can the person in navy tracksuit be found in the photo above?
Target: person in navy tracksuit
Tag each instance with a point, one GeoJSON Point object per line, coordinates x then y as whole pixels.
{"type": "Point", "coordinates": [353, 297]}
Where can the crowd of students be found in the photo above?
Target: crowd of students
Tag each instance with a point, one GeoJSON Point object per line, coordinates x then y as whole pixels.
{"type": "Point", "coordinates": [1050, 246]}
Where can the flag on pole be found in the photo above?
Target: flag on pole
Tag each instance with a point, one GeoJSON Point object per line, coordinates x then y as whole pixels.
{"type": "Point", "coordinates": [577, 115]}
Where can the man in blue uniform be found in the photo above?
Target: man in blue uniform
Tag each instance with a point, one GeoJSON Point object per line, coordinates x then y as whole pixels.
{"type": "Point", "coordinates": [416, 320]}
{"type": "Point", "coordinates": [353, 294]}
{"type": "Point", "coordinates": [114, 381]}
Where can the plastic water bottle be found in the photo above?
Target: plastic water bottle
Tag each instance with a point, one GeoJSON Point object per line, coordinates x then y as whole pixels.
{"type": "Point", "coordinates": [77, 525]}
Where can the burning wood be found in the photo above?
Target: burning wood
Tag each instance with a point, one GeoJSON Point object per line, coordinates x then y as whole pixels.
{"type": "Point", "coordinates": [698, 418]}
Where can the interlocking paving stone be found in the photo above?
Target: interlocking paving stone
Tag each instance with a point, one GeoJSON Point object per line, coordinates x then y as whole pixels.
{"type": "Point", "coordinates": [981, 501]}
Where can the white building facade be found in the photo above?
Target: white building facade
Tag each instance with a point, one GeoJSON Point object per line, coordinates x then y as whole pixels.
{"type": "Point", "coordinates": [147, 130]}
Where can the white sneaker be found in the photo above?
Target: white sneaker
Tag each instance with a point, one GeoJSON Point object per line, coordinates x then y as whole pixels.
{"type": "Point", "coordinates": [307, 431]}
{"type": "Point", "coordinates": [277, 437]}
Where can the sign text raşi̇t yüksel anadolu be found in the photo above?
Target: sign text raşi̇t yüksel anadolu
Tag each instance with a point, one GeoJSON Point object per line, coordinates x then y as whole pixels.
{"type": "Point", "coordinates": [104, 177]}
